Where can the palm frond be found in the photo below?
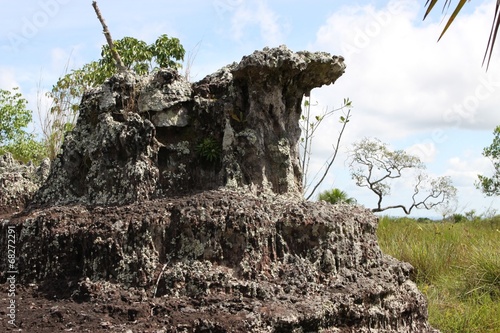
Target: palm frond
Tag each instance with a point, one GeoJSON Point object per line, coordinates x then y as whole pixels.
{"type": "Point", "coordinates": [493, 35]}
{"type": "Point", "coordinates": [494, 27]}
{"type": "Point", "coordinates": [453, 16]}
{"type": "Point", "coordinates": [429, 4]}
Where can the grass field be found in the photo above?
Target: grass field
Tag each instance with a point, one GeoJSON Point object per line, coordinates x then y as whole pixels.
{"type": "Point", "coordinates": [457, 266]}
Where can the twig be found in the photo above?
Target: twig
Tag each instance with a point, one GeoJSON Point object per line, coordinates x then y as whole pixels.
{"type": "Point", "coordinates": [119, 63]}
{"type": "Point", "coordinates": [336, 150]}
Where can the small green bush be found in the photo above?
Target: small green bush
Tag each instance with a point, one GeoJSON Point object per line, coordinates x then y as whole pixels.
{"type": "Point", "coordinates": [482, 276]}
{"type": "Point", "coordinates": [25, 150]}
{"type": "Point", "coordinates": [208, 150]}
{"type": "Point", "coordinates": [457, 218]}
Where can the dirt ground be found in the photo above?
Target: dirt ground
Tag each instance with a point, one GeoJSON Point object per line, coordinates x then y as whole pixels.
{"type": "Point", "coordinates": [41, 309]}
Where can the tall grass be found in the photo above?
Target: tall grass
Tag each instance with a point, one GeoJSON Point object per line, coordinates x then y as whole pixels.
{"type": "Point", "coordinates": [457, 266]}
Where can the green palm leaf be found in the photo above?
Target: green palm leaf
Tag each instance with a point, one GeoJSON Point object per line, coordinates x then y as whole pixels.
{"type": "Point", "coordinates": [494, 28]}
{"type": "Point", "coordinates": [493, 35]}
{"type": "Point", "coordinates": [453, 16]}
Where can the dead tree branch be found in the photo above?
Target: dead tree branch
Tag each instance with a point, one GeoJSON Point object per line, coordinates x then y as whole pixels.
{"type": "Point", "coordinates": [107, 34]}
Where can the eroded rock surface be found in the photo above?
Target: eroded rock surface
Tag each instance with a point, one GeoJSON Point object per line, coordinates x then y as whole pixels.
{"type": "Point", "coordinates": [18, 182]}
{"type": "Point", "coordinates": [226, 261]}
{"type": "Point", "coordinates": [139, 138]}
{"type": "Point", "coordinates": [176, 207]}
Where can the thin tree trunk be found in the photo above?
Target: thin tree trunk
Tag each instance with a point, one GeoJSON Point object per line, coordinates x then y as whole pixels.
{"type": "Point", "coordinates": [107, 34]}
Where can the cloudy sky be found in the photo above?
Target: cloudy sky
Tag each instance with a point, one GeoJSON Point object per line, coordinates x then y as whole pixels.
{"type": "Point", "coordinates": [431, 99]}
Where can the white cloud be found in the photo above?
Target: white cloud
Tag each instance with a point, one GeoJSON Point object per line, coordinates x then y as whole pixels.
{"type": "Point", "coordinates": [7, 78]}
{"type": "Point", "coordinates": [272, 31]}
{"type": "Point", "coordinates": [411, 92]}
{"type": "Point", "coordinates": [464, 169]}
{"type": "Point", "coordinates": [401, 80]}
{"type": "Point", "coordinates": [426, 151]}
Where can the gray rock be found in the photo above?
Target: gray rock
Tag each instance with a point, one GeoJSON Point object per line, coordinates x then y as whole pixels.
{"type": "Point", "coordinates": [185, 199]}
{"type": "Point", "coordinates": [240, 125]}
{"type": "Point", "coordinates": [243, 263]}
{"type": "Point", "coordinates": [178, 118]}
{"type": "Point", "coordinates": [19, 182]}
{"type": "Point", "coordinates": [165, 89]}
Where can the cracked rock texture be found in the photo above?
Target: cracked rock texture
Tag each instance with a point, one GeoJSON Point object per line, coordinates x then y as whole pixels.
{"type": "Point", "coordinates": [176, 207]}
{"type": "Point", "coordinates": [139, 138]}
{"type": "Point", "coordinates": [18, 182]}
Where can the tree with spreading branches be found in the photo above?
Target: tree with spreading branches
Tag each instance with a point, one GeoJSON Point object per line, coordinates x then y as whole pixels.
{"type": "Point", "coordinates": [374, 166]}
{"type": "Point", "coordinates": [14, 120]}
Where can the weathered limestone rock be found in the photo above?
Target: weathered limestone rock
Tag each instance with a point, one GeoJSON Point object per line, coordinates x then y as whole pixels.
{"type": "Point", "coordinates": [18, 182]}
{"type": "Point", "coordinates": [141, 138]}
{"type": "Point", "coordinates": [230, 260]}
{"type": "Point", "coordinates": [176, 207]}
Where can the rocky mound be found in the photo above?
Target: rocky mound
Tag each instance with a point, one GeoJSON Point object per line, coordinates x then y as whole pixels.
{"type": "Point", "coordinates": [139, 138]}
{"type": "Point", "coordinates": [176, 207]}
{"type": "Point", "coordinates": [19, 182]}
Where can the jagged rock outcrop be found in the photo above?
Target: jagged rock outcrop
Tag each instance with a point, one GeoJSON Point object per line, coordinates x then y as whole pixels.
{"type": "Point", "coordinates": [141, 138]}
{"type": "Point", "coordinates": [175, 207]}
{"type": "Point", "coordinates": [226, 261]}
{"type": "Point", "coordinates": [18, 182]}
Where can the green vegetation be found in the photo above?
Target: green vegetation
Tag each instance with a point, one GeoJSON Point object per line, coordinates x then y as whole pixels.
{"type": "Point", "coordinates": [335, 196]}
{"type": "Point", "coordinates": [208, 150]}
{"type": "Point", "coordinates": [491, 186]}
{"type": "Point", "coordinates": [66, 94]}
{"type": "Point", "coordinates": [309, 125]}
{"type": "Point", "coordinates": [457, 266]}
{"type": "Point", "coordinates": [137, 56]}
{"type": "Point", "coordinates": [14, 118]}
{"type": "Point", "coordinates": [374, 166]}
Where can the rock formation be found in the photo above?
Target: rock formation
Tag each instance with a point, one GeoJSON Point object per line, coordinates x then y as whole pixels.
{"type": "Point", "coordinates": [176, 207]}
{"type": "Point", "coordinates": [142, 138]}
{"type": "Point", "coordinates": [18, 182]}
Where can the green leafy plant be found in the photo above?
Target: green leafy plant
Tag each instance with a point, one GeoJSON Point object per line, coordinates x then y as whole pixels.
{"type": "Point", "coordinates": [336, 196]}
{"type": "Point", "coordinates": [140, 57]}
{"type": "Point", "coordinates": [208, 150]}
{"type": "Point", "coordinates": [14, 118]}
{"type": "Point", "coordinates": [26, 149]}
{"type": "Point", "coordinates": [14, 115]}
{"type": "Point", "coordinates": [491, 185]}
{"type": "Point", "coordinates": [309, 123]}
{"type": "Point", "coordinates": [240, 117]}
{"type": "Point", "coordinates": [136, 56]}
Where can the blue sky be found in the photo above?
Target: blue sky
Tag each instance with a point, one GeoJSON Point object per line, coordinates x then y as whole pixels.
{"type": "Point", "coordinates": [432, 99]}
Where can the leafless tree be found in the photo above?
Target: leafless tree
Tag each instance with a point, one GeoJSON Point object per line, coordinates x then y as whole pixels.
{"type": "Point", "coordinates": [373, 165]}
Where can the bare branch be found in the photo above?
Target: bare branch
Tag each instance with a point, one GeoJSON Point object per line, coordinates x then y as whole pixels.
{"type": "Point", "coordinates": [383, 165]}
{"type": "Point", "coordinates": [332, 159]}
{"type": "Point", "coordinates": [309, 126]}
{"type": "Point", "coordinates": [119, 63]}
